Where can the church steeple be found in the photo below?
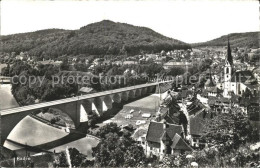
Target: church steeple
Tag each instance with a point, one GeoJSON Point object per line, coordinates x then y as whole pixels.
{"type": "Point", "coordinates": [228, 72]}
{"type": "Point", "coordinates": [229, 56]}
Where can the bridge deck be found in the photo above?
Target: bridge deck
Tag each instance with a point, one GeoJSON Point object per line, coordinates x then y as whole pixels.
{"type": "Point", "coordinates": [67, 100]}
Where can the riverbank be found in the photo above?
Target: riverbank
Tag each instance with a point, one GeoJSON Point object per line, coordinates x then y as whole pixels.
{"type": "Point", "coordinates": [7, 99]}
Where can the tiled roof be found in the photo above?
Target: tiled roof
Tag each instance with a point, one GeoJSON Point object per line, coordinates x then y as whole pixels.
{"type": "Point", "coordinates": [212, 100]}
{"type": "Point", "coordinates": [247, 101]}
{"type": "Point", "coordinates": [179, 144]}
{"type": "Point", "coordinates": [195, 107]}
{"type": "Point", "coordinates": [209, 83]}
{"type": "Point", "coordinates": [139, 133]}
{"type": "Point", "coordinates": [255, 86]}
{"type": "Point", "coordinates": [213, 89]}
{"type": "Point", "coordinates": [172, 120]}
{"type": "Point", "coordinates": [155, 131]}
{"type": "Point", "coordinates": [185, 93]}
{"type": "Point", "coordinates": [224, 100]}
{"type": "Point", "coordinates": [196, 122]}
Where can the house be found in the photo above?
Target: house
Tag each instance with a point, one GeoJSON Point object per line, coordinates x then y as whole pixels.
{"type": "Point", "coordinates": [210, 88]}
{"type": "Point", "coordinates": [197, 122]}
{"type": "Point", "coordinates": [139, 136]}
{"type": "Point", "coordinates": [164, 139]}
{"type": "Point", "coordinates": [86, 90]}
{"type": "Point", "coordinates": [52, 62]}
{"type": "Point", "coordinates": [195, 107]}
{"type": "Point", "coordinates": [171, 112]}
{"type": "Point", "coordinates": [172, 64]}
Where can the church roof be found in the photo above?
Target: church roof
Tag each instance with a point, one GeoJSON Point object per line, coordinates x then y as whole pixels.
{"type": "Point", "coordinates": [242, 76]}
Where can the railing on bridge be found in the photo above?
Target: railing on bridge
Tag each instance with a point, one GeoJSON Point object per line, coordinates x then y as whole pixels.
{"type": "Point", "coordinates": [5, 80]}
{"type": "Point", "coordinates": [72, 99]}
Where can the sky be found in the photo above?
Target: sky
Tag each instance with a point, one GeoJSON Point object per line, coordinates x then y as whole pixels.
{"type": "Point", "coordinates": [188, 21]}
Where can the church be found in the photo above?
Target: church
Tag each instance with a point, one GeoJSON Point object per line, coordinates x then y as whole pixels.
{"type": "Point", "coordinates": [237, 81]}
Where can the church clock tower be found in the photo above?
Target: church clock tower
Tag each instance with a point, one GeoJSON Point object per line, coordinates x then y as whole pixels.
{"type": "Point", "coordinates": [228, 72]}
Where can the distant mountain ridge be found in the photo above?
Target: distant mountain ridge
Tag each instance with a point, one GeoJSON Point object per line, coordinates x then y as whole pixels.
{"type": "Point", "coordinates": [247, 39]}
{"type": "Point", "coordinates": [100, 38]}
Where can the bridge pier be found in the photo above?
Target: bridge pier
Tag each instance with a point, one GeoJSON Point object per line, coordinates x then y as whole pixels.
{"type": "Point", "coordinates": [137, 93]}
{"type": "Point", "coordinates": [108, 101]}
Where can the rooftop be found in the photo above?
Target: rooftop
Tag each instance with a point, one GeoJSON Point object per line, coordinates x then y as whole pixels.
{"type": "Point", "coordinates": [179, 144]}
{"type": "Point", "coordinates": [156, 131]}
{"type": "Point", "coordinates": [241, 76]}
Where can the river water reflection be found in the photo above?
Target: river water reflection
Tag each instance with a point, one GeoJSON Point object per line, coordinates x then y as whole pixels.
{"type": "Point", "coordinates": [7, 100]}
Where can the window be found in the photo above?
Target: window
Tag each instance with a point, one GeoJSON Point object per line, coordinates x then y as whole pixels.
{"type": "Point", "coordinates": [227, 70]}
{"type": "Point", "coordinates": [151, 148]}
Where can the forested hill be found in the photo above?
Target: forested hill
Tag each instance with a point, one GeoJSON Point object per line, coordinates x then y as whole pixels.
{"type": "Point", "coordinates": [248, 39]}
{"type": "Point", "coordinates": [105, 37]}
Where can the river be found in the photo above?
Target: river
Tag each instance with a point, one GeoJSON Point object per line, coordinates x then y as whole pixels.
{"type": "Point", "coordinates": [7, 100]}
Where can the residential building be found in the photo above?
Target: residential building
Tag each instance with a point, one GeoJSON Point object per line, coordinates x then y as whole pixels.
{"type": "Point", "coordinates": [164, 139]}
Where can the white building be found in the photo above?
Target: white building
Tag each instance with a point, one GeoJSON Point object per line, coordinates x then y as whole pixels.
{"type": "Point", "coordinates": [238, 81]}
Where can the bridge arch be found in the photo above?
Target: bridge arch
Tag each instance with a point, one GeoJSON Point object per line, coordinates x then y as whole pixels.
{"type": "Point", "coordinates": [117, 98]}
{"type": "Point", "coordinates": [98, 104]}
{"type": "Point", "coordinates": [71, 109]}
{"type": "Point", "coordinates": [151, 89]}
{"type": "Point", "coordinates": [125, 96]}
{"type": "Point", "coordinates": [131, 94]}
{"type": "Point", "coordinates": [107, 100]}
{"type": "Point", "coordinates": [143, 91]}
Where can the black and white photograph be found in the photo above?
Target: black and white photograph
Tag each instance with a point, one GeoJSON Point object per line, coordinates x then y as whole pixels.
{"type": "Point", "coordinates": [129, 83]}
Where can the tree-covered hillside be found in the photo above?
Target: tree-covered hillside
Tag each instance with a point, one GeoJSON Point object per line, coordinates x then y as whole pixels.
{"type": "Point", "coordinates": [249, 39]}
{"type": "Point", "coordinates": [105, 37]}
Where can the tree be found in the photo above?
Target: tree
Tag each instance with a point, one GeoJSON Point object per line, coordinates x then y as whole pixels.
{"type": "Point", "coordinates": [134, 156]}
{"type": "Point", "coordinates": [111, 127]}
{"type": "Point", "coordinates": [93, 118]}
{"type": "Point", "coordinates": [64, 65]}
{"type": "Point", "coordinates": [117, 148]}
{"type": "Point", "coordinates": [62, 160]}
{"type": "Point", "coordinates": [205, 64]}
{"type": "Point", "coordinates": [76, 157]}
{"type": "Point", "coordinates": [174, 71]}
{"type": "Point", "coordinates": [228, 132]}
{"type": "Point", "coordinates": [6, 70]}
{"type": "Point", "coordinates": [81, 67]}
